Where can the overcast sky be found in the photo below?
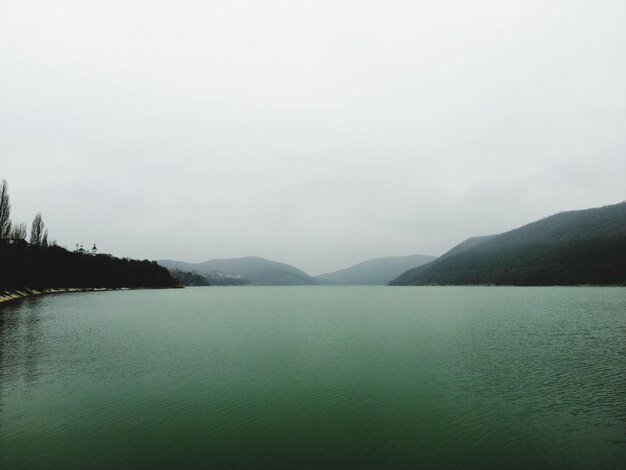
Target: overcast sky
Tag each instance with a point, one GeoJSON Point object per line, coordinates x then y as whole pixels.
{"type": "Point", "coordinates": [316, 133]}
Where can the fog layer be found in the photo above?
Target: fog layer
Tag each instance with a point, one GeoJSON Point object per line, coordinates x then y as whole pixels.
{"type": "Point", "coordinates": [317, 133]}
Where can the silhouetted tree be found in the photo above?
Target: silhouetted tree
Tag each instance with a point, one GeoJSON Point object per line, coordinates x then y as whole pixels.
{"type": "Point", "coordinates": [37, 231]}
{"type": "Point", "coordinates": [41, 265]}
{"type": "Point", "coordinates": [18, 232]}
{"type": "Point", "coordinates": [54, 266]}
{"type": "Point", "coordinates": [5, 210]}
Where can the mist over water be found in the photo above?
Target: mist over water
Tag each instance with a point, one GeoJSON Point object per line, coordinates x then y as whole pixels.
{"type": "Point", "coordinates": [315, 376]}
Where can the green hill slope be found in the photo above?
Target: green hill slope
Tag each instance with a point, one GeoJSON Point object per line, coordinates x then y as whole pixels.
{"type": "Point", "coordinates": [569, 248]}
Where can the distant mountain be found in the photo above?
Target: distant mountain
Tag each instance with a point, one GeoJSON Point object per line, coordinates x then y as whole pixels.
{"type": "Point", "coordinates": [217, 278]}
{"type": "Point", "coordinates": [253, 270]}
{"type": "Point", "coordinates": [378, 271]}
{"type": "Point", "coordinates": [570, 248]}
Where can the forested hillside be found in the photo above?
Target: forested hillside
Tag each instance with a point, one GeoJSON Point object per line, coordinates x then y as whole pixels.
{"type": "Point", "coordinates": [39, 264]}
{"type": "Point", "coordinates": [25, 266]}
{"type": "Point", "coordinates": [570, 248]}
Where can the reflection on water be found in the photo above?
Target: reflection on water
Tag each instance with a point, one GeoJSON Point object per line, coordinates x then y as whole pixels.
{"type": "Point", "coordinates": [20, 342]}
{"type": "Point", "coordinates": [315, 377]}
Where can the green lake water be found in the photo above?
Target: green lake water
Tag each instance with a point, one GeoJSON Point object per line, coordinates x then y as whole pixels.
{"type": "Point", "coordinates": [315, 377]}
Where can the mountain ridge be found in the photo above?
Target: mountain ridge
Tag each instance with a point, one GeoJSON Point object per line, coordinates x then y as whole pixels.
{"type": "Point", "coordinates": [375, 271]}
{"type": "Point", "coordinates": [253, 269]}
{"type": "Point", "coordinates": [582, 247]}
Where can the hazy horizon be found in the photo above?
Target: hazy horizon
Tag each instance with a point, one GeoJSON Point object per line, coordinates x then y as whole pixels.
{"type": "Point", "coordinates": [318, 134]}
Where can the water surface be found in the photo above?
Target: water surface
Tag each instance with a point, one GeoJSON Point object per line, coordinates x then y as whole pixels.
{"type": "Point", "coordinates": [297, 377]}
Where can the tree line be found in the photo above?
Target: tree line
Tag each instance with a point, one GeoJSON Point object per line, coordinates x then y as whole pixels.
{"type": "Point", "coordinates": [37, 264]}
{"type": "Point", "coordinates": [17, 232]}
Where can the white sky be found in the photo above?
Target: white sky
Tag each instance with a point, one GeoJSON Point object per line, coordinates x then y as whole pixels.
{"type": "Point", "coordinates": [317, 133]}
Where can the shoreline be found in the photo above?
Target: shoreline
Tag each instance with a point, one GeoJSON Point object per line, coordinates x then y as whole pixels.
{"type": "Point", "coordinates": [7, 296]}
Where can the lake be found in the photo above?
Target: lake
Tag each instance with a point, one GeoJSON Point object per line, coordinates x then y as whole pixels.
{"type": "Point", "coordinates": [315, 377]}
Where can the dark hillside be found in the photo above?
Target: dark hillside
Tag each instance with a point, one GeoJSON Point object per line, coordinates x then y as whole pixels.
{"type": "Point", "coordinates": [37, 264]}
{"type": "Point", "coordinates": [467, 245]}
{"type": "Point", "coordinates": [570, 248]}
{"type": "Point", "coordinates": [35, 267]}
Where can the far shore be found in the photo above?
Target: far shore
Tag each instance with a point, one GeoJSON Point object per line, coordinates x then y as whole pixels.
{"type": "Point", "coordinates": [6, 296]}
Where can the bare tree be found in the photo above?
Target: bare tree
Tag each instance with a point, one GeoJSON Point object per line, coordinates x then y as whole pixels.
{"type": "Point", "coordinates": [37, 231]}
{"type": "Point", "coordinates": [18, 232]}
{"type": "Point", "coordinates": [5, 210]}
